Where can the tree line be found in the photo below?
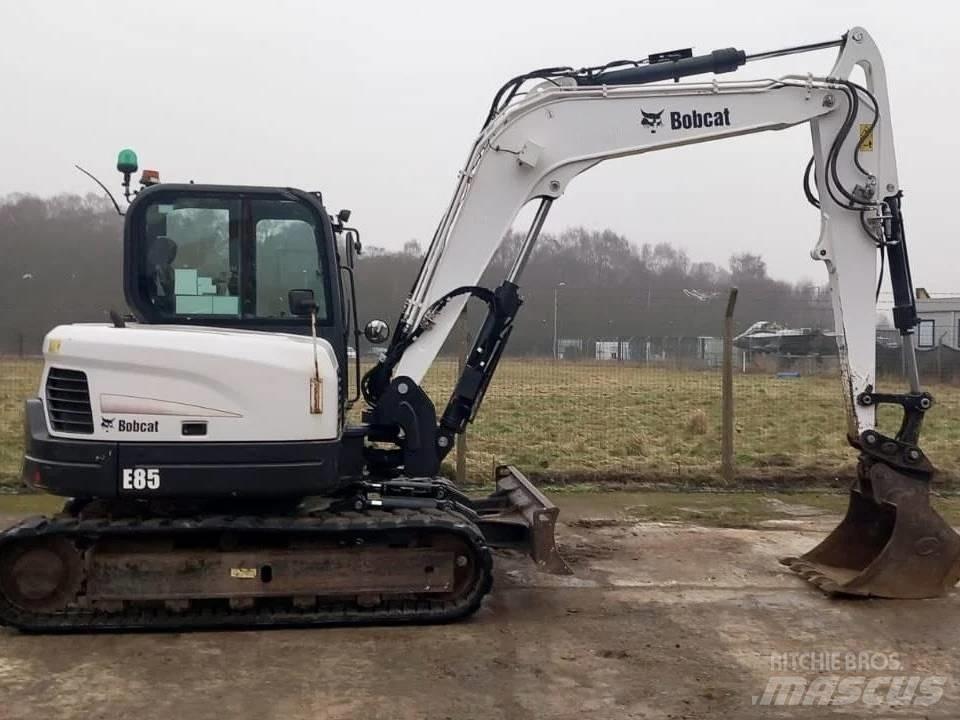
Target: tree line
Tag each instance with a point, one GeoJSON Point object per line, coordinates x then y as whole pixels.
{"type": "Point", "coordinates": [598, 285]}
{"type": "Point", "coordinates": [63, 259]}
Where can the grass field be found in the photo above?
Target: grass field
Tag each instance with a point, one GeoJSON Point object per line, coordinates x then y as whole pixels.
{"type": "Point", "coordinates": [572, 422]}
{"type": "Point", "coordinates": [18, 381]}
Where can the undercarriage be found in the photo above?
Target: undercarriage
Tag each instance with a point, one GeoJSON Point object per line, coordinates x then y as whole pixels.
{"type": "Point", "coordinates": [117, 565]}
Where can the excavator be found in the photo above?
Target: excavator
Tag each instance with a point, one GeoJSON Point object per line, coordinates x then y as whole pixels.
{"type": "Point", "coordinates": [213, 476]}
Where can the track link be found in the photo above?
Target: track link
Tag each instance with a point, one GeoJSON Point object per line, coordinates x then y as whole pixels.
{"type": "Point", "coordinates": [347, 529]}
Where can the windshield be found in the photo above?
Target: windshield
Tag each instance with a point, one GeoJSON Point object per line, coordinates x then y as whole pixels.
{"type": "Point", "coordinates": [230, 256]}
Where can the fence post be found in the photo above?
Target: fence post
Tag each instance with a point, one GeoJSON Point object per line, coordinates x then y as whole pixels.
{"type": "Point", "coordinates": [940, 360]}
{"type": "Point", "coordinates": [461, 363]}
{"type": "Point", "coordinates": [726, 438]}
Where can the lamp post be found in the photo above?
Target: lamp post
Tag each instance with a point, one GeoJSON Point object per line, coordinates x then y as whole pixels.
{"type": "Point", "coordinates": [556, 341]}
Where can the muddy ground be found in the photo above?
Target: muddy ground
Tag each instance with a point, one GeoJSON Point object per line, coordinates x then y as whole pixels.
{"type": "Point", "coordinates": [678, 609]}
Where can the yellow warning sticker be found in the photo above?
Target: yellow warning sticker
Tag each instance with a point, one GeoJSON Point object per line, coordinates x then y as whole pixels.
{"type": "Point", "coordinates": [242, 573]}
{"type": "Point", "coordinates": [866, 137]}
{"type": "Point", "coordinates": [54, 347]}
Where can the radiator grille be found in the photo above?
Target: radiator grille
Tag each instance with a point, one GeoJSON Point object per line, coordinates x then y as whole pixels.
{"type": "Point", "coordinates": [68, 401]}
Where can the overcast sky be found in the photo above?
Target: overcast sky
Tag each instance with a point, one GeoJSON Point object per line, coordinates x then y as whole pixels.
{"type": "Point", "coordinates": [376, 104]}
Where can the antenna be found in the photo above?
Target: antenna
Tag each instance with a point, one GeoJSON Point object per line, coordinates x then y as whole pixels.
{"type": "Point", "coordinates": [104, 187]}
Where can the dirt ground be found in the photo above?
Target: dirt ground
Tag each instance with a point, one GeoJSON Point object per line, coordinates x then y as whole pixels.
{"type": "Point", "coordinates": [675, 619]}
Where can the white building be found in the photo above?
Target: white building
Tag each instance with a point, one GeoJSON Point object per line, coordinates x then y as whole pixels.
{"type": "Point", "coordinates": [710, 350]}
{"type": "Point", "coordinates": [939, 321]}
{"type": "Point", "coordinates": [613, 350]}
{"type": "Point", "coordinates": [568, 348]}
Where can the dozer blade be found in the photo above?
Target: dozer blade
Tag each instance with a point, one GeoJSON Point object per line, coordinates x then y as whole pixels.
{"type": "Point", "coordinates": [520, 517]}
{"type": "Point", "coordinates": [890, 544]}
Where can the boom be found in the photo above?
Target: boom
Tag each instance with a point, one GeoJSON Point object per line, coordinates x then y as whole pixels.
{"type": "Point", "coordinates": [534, 147]}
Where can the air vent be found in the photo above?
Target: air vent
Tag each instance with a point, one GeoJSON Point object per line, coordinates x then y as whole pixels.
{"type": "Point", "coordinates": [68, 401]}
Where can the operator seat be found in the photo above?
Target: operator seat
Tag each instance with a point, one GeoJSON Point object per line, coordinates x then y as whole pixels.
{"type": "Point", "coordinates": [160, 256]}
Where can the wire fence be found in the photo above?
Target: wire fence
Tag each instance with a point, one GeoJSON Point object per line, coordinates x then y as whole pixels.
{"type": "Point", "coordinates": [657, 420]}
{"type": "Point", "coordinates": [565, 421]}
{"type": "Point", "coordinates": [19, 379]}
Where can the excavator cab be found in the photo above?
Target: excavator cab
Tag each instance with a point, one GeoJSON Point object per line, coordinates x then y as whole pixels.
{"type": "Point", "coordinates": [229, 257]}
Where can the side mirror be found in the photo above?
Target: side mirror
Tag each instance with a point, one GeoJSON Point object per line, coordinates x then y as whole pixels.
{"type": "Point", "coordinates": [376, 332]}
{"type": "Point", "coordinates": [301, 302]}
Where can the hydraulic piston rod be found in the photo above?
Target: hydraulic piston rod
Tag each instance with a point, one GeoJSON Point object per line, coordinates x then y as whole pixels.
{"type": "Point", "coordinates": [530, 240]}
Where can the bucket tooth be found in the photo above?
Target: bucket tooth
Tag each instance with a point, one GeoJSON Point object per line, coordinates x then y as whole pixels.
{"type": "Point", "coordinates": [829, 587]}
{"type": "Point", "coordinates": [890, 544]}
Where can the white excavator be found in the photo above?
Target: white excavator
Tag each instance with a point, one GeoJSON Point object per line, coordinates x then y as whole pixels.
{"type": "Point", "coordinates": [213, 477]}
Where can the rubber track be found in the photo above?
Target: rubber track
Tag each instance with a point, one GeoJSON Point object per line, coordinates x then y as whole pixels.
{"type": "Point", "coordinates": [396, 611]}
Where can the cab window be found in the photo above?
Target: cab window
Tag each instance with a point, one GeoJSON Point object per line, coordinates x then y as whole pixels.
{"type": "Point", "coordinates": [229, 257]}
{"type": "Point", "coordinates": [191, 264]}
{"type": "Point", "coordinates": [286, 258]}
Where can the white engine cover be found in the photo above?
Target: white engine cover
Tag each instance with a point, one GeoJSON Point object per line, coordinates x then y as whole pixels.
{"type": "Point", "coordinates": [145, 381]}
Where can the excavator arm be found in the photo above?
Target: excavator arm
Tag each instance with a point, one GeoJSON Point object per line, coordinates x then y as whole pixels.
{"type": "Point", "coordinates": [532, 149]}
{"type": "Point", "coordinates": [535, 143]}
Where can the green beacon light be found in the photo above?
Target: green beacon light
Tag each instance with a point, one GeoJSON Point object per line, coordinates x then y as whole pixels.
{"type": "Point", "coordinates": [127, 162]}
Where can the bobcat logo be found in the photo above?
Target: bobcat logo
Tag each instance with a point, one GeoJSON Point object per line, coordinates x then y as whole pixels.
{"type": "Point", "coordinates": [651, 120]}
{"type": "Point", "coordinates": [107, 423]}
